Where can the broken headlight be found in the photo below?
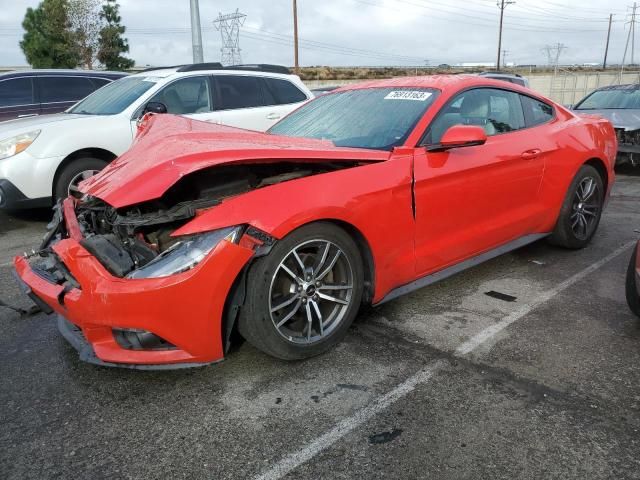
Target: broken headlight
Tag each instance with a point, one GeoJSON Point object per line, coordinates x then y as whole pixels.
{"type": "Point", "coordinates": [186, 254]}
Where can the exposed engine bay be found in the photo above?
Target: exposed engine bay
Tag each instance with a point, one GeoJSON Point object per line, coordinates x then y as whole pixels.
{"type": "Point", "coordinates": [628, 146]}
{"type": "Point", "coordinates": [129, 238]}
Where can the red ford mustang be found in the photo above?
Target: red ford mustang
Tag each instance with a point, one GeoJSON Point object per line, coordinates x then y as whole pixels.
{"type": "Point", "coordinates": [362, 195]}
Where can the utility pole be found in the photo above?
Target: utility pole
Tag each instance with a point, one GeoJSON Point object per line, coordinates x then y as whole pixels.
{"type": "Point", "coordinates": [196, 33]}
{"type": "Point", "coordinates": [501, 5]}
{"type": "Point", "coordinates": [606, 48]}
{"type": "Point", "coordinates": [633, 33]}
{"type": "Point", "coordinates": [295, 35]}
{"type": "Point", "coordinates": [504, 56]}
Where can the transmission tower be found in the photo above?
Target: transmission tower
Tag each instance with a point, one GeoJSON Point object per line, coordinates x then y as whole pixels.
{"type": "Point", "coordinates": [229, 27]}
{"type": "Point", "coordinates": [631, 37]}
{"type": "Point", "coordinates": [553, 54]}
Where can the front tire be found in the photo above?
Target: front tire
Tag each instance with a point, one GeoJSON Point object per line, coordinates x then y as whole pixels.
{"type": "Point", "coordinates": [581, 210]}
{"type": "Point", "coordinates": [73, 173]}
{"type": "Point", "coordinates": [303, 296]}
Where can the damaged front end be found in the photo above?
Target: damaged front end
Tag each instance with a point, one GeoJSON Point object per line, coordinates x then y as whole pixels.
{"type": "Point", "coordinates": [130, 290]}
{"type": "Point", "coordinates": [628, 146]}
{"type": "Point", "coordinates": [138, 241]}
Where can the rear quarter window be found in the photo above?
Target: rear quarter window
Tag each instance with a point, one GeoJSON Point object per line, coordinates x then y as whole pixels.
{"type": "Point", "coordinates": [535, 111]}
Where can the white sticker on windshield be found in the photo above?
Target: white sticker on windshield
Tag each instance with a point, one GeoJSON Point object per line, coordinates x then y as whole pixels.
{"type": "Point", "coordinates": [408, 95]}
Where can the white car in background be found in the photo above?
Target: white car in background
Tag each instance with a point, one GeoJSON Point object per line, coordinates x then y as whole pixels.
{"type": "Point", "coordinates": [44, 158]}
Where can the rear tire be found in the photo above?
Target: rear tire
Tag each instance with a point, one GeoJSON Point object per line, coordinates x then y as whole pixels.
{"type": "Point", "coordinates": [303, 296]}
{"type": "Point", "coordinates": [581, 210]}
{"type": "Point", "coordinates": [73, 173]}
{"type": "Point", "coordinates": [631, 291]}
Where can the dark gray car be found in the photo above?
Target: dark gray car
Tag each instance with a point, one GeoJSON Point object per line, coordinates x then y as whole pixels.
{"type": "Point", "coordinates": [37, 92]}
{"type": "Point", "coordinates": [620, 104]}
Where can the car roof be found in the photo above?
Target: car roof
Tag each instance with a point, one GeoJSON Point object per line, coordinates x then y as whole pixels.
{"type": "Point", "coordinates": [217, 68]}
{"type": "Point", "coordinates": [61, 72]}
{"type": "Point", "coordinates": [627, 86]}
{"type": "Point", "coordinates": [438, 82]}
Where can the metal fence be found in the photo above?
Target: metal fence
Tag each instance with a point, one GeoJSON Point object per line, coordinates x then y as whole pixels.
{"type": "Point", "coordinates": [567, 87]}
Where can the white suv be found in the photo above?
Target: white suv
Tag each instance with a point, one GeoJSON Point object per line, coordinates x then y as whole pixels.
{"type": "Point", "coordinates": [44, 158]}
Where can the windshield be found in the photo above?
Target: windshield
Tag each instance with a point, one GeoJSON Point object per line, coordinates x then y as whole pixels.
{"type": "Point", "coordinates": [114, 97]}
{"type": "Point", "coordinates": [375, 118]}
{"type": "Point", "coordinates": [616, 98]}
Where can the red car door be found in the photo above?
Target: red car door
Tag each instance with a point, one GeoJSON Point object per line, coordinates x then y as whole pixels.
{"type": "Point", "coordinates": [472, 199]}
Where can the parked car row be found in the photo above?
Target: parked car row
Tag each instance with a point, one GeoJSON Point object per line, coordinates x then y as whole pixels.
{"type": "Point", "coordinates": [199, 232]}
{"type": "Point", "coordinates": [39, 92]}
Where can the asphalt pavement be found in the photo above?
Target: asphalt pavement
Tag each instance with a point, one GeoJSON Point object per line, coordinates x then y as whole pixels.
{"type": "Point", "coordinates": [541, 380]}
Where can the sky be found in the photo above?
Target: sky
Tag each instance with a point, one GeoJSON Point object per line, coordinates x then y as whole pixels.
{"type": "Point", "coordinates": [363, 32]}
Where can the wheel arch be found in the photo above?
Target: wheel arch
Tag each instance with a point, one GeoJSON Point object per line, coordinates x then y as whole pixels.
{"type": "Point", "coordinates": [236, 296]}
{"type": "Point", "coordinates": [601, 168]}
{"type": "Point", "coordinates": [99, 153]}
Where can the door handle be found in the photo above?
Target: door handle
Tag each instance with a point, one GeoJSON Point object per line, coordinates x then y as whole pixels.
{"type": "Point", "coordinates": [531, 154]}
{"type": "Point", "coordinates": [28, 115]}
{"type": "Point", "coordinates": [273, 116]}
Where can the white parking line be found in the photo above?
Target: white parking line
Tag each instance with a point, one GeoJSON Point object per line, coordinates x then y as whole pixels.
{"type": "Point", "coordinates": [6, 264]}
{"type": "Point", "coordinates": [313, 448]}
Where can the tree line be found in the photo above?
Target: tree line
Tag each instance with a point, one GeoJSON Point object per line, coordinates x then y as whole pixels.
{"type": "Point", "coordinates": [75, 33]}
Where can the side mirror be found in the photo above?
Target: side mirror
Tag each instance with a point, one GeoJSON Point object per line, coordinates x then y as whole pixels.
{"type": "Point", "coordinates": [460, 136]}
{"type": "Point", "coordinates": [154, 107]}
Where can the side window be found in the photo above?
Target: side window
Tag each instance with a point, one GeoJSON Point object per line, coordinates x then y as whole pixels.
{"type": "Point", "coordinates": [496, 111]}
{"type": "Point", "coordinates": [536, 112]}
{"type": "Point", "coordinates": [185, 96]}
{"type": "Point", "coordinates": [64, 89]}
{"type": "Point", "coordinates": [238, 91]}
{"type": "Point", "coordinates": [284, 91]}
{"type": "Point", "coordinates": [16, 91]}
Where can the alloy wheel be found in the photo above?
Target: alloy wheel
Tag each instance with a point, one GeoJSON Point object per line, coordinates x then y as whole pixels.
{"type": "Point", "coordinates": [73, 189]}
{"type": "Point", "coordinates": [585, 208]}
{"type": "Point", "coordinates": [311, 291]}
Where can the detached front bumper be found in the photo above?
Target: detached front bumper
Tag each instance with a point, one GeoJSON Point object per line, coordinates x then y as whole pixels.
{"type": "Point", "coordinates": [185, 310]}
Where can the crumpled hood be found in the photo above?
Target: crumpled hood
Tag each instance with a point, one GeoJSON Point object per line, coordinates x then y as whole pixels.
{"type": "Point", "coordinates": [629, 119]}
{"type": "Point", "coordinates": [170, 147]}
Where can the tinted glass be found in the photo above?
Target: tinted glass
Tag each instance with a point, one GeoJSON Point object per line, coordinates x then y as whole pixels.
{"type": "Point", "coordinates": [64, 89]}
{"type": "Point", "coordinates": [496, 111]}
{"type": "Point", "coordinates": [284, 91]}
{"type": "Point", "coordinates": [536, 112]}
{"type": "Point", "coordinates": [114, 97]}
{"type": "Point", "coordinates": [621, 97]}
{"type": "Point", "coordinates": [16, 91]}
{"type": "Point", "coordinates": [238, 91]}
{"type": "Point", "coordinates": [185, 96]}
{"type": "Point", "coordinates": [376, 118]}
